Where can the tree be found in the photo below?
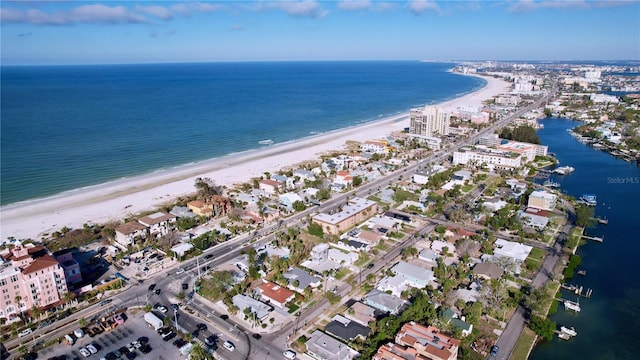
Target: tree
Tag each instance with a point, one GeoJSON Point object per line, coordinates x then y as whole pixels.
{"type": "Point", "coordinates": [298, 205]}
{"type": "Point", "coordinates": [207, 187]}
{"type": "Point", "coordinates": [543, 327]}
{"type": "Point", "coordinates": [524, 133]}
{"type": "Point", "coordinates": [536, 299]}
{"type": "Point", "coordinates": [82, 322]}
{"type": "Point", "coordinates": [198, 352]}
{"type": "Point", "coordinates": [315, 229]}
{"type": "Point", "coordinates": [584, 215]}
{"type": "Point", "coordinates": [409, 252]}
{"type": "Point", "coordinates": [357, 181]}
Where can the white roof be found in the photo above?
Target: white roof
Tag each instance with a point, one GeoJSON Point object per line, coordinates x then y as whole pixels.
{"type": "Point", "coordinates": [512, 249]}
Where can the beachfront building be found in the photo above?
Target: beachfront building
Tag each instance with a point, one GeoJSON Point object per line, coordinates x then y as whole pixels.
{"type": "Point", "coordinates": [428, 341]}
{"type": "Point", "coordinates": [158, 224]}
{"type": "Point", "coordinates": [356, 211]}
{"type": "Point", "coordinates": [429, 121]}
{"type": "Point", "coordinates": [269, 186]}
{"type": "Point", "coordinates": [128, 234]}
{"type": "Point", "coordinates": [29, 277]}
{"type": "Point", "coordinates": [542, 200]}
{"type": "Point", "coordinates": [375, 147]}
{"type": "Point", "coordinates": [71, 267]}
{"type": "Point", "coordinates": [215, 205]}
{"type": "Point", "coordinates": [492, 158]}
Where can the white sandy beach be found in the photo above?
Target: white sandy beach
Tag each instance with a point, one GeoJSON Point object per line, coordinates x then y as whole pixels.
{"type": "Point", "coordinates": [115, 200]}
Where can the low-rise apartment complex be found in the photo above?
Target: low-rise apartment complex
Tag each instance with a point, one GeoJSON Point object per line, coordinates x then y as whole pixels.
{"type": "Point", "coordinates": [356, 211]}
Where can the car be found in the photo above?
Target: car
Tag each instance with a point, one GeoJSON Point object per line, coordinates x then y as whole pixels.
{"type": "Point", "coordinates": [224, 316]}
{"type": "Point", "coordinates": [132, 355]}
{"type": "Point", "coordinates": [110, 356]}
{"type": "Point", "coordinates": [229, 345]}
{"type": "Point", "coordinates": [164, 330]}
{"type": "Point", "coordinates": [84, 352]}
{"type": "Point", "coordinates": [208, 257]}
{"type": "Point", "coordinates": [185, 286]}
{"type": "Point", "coordinates": [175, 307]}
{"type": "Point", "coordinates": [180, 271]}
{"type": "Point", "coordinates": [494, 350]}
{"type": "Point", "coordinates": [256, 336]}
{"type": "Point", "coordinates": [117, 353]}
{"type": "Point", "coordinates": [169, 336]}
{"type": "Point", "coordinates": [210, 340]}
{"type": "Point", "coordinates": [143, 340]}
{"type": "Point", "coordinates": [25, 332]}
{"type": "Point", "coordinates": [157, 291]}
{"type": "Point", "coordinates": [370, 266]}
{"type": "Point", "coordinates": [179, 343]}
{"type": "Point", "coordinates": [92, 349]}
{"type": "Point", "coordinates": [163, 309]}
{"type": "Point", "coordinates": [145, 349]}
{"type": "Point", "coordinates": [123, 350]}
{"type": "Point", "coordinates": [152, 286]}
{"type": "Point", "coordinates": [202, 327]}
{"type": "Point", "coordinates": [130, 347]}
{"type": "Point", "coordinates": [289, 354]}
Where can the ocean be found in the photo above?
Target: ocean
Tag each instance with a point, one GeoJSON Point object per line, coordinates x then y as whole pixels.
{"type": "Point", "coordinates": [608, 325]}
{"type": "Point", "coordinates": [69, 127]}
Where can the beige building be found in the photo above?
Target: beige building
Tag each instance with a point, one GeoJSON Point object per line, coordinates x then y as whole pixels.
{"type": "Point", "coordinates": [428, 341]}
{"type": "Point", "coordinates": [356, 211]}
{"type": "Point", "coordinates": [429, 121]}
{"type": "Point", "coordinates": [543, 200]}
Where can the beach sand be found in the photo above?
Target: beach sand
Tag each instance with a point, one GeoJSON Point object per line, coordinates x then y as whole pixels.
{"type": "Point", "coordinates": [115, 200]}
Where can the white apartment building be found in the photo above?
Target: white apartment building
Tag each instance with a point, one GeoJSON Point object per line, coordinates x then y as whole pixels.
{"type": "Point", "coordinates": [528, 151]}
{"type": "Point", "coordinates": [429, 121]}
{"type": "Point", "coordinates": [491, 158]}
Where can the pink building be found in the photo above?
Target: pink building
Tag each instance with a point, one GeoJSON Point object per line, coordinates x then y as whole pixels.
{"type": "Point", "coordinates": [70, 265]}
{"type": "Point", "coordinates": [29, 276]}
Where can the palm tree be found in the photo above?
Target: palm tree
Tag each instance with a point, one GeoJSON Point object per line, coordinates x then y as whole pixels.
{"type": "Point", "coordinates": [198, 352]}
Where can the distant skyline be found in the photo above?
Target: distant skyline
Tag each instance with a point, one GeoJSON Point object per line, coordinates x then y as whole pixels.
{"type": "Point", "coordinates": [115, 32]}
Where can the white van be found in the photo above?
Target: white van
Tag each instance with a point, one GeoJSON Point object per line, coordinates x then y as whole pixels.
{"type": "Point", "coordinates": [69, 339]}
{"type": "Point", "coordinates": [78, 333]}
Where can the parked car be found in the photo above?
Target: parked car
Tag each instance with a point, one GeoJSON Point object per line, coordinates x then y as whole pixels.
{"type": "Point", "coordinates": [208, 257]}
{"type": "Point", "coordinates": [202, 327]}
{"type": "Point", "coordinates": [145, 349]}
{"type": "Point", "coordinates": [210, 340]}
{"type": "Point", "coordinates": [25, 332]}
{"type": "Point", "coordinates": [84, 352]}
{"type": "Point", "coordinates": [157, 291]}
{"type": "Point", "coordinates": [105, 302]}
{"type": "Point", "coordinates": [256, 336]}
{"type": "Point", "coordinates": [152, 286]}
{"type": "Point", "coordinates": [494, 350]}
{"type": "Point", "coordinates": [180, 271]}
{"type": "Point", "coordinates": [169, 336]}
{"type": "Point", "coordinates": [229, 345]}
{"type": "Point", "coordinates": [289, 354]}
{"type": "Point", "coordinates": [92, 349]}
{"type": "Point", "coordinates": [185, 286]}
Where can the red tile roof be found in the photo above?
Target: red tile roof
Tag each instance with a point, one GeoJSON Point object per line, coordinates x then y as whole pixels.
{"type": "Point", "coordinates": [40, 263]}
{"type": "Point", "coordinates": [275, 292]}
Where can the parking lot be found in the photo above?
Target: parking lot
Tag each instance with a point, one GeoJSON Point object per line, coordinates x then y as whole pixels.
{"type": "Point", "coordinates": [134, 329]}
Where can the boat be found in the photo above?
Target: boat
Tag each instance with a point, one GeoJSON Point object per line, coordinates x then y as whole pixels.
{"type": "Point", "coordinates": [582, 272]}
{"type": "Point", "coordinates": [603, 221]}
{"type": "Point", "coordinates": [569, 331]}
{"type": "Point", "coordinates": [265, 142]}
{"type": "Point", "coordinates": [564, 170]}
{"type": "Point", "coordinates": [550, 183]}
{"type": "Point", "coordinates": [589, 199]}
{"type": "Point", "coordinates": [573, 306]}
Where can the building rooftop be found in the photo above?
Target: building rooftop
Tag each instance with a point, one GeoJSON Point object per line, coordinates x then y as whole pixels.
{"type": "Point", "coordinates": [40, 263]}
{"type": "Point", "coordinates": [156, 218]}
{"type": "Point", "coordinates": [355, 206]}
{"type": "Point", "coordinates": [327, 347]}
{"type": "Point", "coordinates": [275, 292]}
{"type": "Point", "coordinates": [304, 278]}
{"type": "Point", "coordinates": [345, 329]}
{"type": "Point", "coordinates": [130, 227]}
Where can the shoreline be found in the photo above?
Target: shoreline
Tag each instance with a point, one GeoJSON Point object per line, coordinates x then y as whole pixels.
{"type": "Point", "coordinates": [114, 200]}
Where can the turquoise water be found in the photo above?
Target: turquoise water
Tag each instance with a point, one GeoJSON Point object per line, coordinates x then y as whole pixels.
{"type": "Point", "coordinates": [68, 127]}
{"type": "Point", "coordinates": [608, 325]}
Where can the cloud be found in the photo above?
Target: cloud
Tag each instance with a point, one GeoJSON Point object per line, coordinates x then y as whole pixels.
{"type": "Point", "coordinates": [160, 12]}
{"type": "Point", "coordinates": [349, 5]}
{"type": "Point", "coordinates": [25, 34]}
{"type": "Point", "coordinates": [531, 5]}
{"type": "Point", "coordinates": [304, 8]}
{"type": "Point", "coordinates": [356, 5]}
{"type": "Point", "coordinates": [419, 7]}
{"type": "Point", "coordinates": [95, 14]}
{"type": "Point", "coordinates": [104, 14]}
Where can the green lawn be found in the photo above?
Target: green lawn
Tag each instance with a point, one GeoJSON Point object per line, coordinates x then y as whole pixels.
{"type": "Point", "coordinates": [524, 344]}
{"type": "Point", "coordinates": [467, 188]}
{"type": "Point", "coordinates": [363, 259]}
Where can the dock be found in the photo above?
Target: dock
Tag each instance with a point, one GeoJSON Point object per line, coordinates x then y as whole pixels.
{"type": "Point", "coordinates": [594, 238]}
{"type": "Point", "coordinates": [570, 305]}
{"type": "Point", "coordinates": [566, 333]}
{"type": "Point", "coordinates": [578, 290]}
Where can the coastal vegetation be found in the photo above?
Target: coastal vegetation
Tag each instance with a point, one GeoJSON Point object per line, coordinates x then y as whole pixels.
{"type": "Point", "coordinates": [523, 133]}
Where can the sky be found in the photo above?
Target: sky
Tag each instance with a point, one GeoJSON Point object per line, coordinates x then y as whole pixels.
{"type": "Point", "coordinates": [115, 32]}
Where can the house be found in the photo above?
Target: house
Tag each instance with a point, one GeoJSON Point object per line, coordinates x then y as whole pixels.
{"type": "Point", "coordinates": [428, 341]}
{"type": "Point", "coordinates": [259, 309]}
{"type": "Point", "coordinates": [288, 199]}
{"type": "Point", "coordinates": [158, 223]}
{"type": "Point", "coordinates": [275, 294]}
{"type": "Point", "coordinates": [356, 210]}
{"type": "Point", "coordinates": [542, 200]}
{"type": "Point", "coordinates": [199, 208]}
{"type": "Point", "coordinates": [439, 247]}
{"type": "Point", "coordinates": [488, 271]}
{"type": "Point", "coordinates": [383, 301]}
{"type": "Point", "coordinates": [341, 257]}
{"type": "Point", "coordinates": [428, 255]}
{"type": "Point", "coordinates": [181, 249]}
{"type": "Point", "coordinates": [494, 204]}
{"type": "Point", "coordinates": [361, 313]}
{"type": "Point", "coordinates": [300, 279]}
{"type": "Point", "coordinates": [414, 276]}
{"type": "Point", "coordinates": [284, 182]}
{"type": "Point", "coordinates": [269, 186]}
{"type": "Point", "coordinates": [129, 233]}
{"type": "Point", "coordinates": [534, 217]}
{"type": "Point", "coordinates": [345, 329]}
{"type": "Point", "coordinates": [394, 285]}
{"type": "Point", "coordinates": [516, 251]}
{"type": "Point", "coordinates": [71, 267]}
{"type": "Point", "coordinates": [182, 212]}
{"type": "Point", "coordinates": [391, 351]}
{"type": "Point", "coordinates": [450, 317]}
{"type": "Point", "coordinates": [321, 346]}
{"type": "Point", "coordinates": [375, 147]}
{"type": "Point", "coordinates": [304, 175]}
{"type": "Point", "coordinates": [343, 177]}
